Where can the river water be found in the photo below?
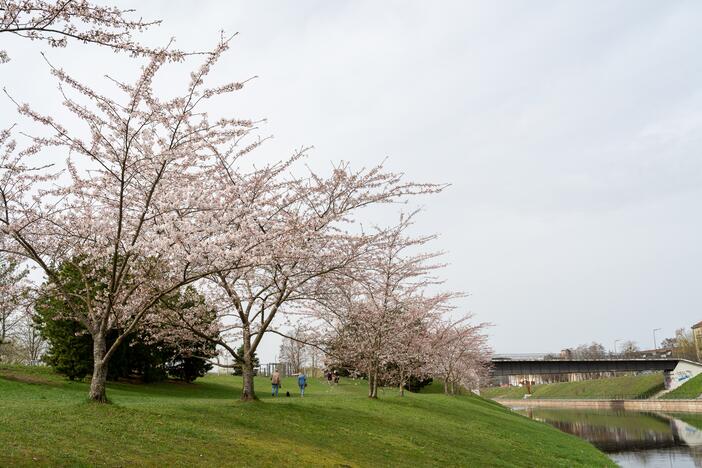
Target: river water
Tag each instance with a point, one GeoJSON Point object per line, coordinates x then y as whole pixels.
{"type": "Point", "coordinates": [630, 438]}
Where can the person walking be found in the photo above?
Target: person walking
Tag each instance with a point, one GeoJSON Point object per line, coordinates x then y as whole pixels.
{"type": "Point", "coordinates": [275, 383]}
{"type": "Point", "coordinates": [302, 382]}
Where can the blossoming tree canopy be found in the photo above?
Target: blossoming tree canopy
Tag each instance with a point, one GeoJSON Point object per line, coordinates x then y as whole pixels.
{"type": "Point", "coordinates": [131, 207]}
{"type": "Point", "coordinates": [377, 315]}
{"type": "Point", "coordinates": [460, 355]}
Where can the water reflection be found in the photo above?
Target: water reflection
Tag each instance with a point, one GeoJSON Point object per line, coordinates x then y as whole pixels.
{"type": "Point", "coordinates": [632, 438]}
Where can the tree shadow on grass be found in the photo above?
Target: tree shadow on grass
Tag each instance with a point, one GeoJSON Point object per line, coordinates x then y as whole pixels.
{"type": "Point", "coordinates": [196, 390]}
{"type": "Point", "coordinates": [29, 379]}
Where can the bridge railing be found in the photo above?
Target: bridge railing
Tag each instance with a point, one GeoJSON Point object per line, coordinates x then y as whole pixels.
{"type": "Point", "coordinates": [580, 356]}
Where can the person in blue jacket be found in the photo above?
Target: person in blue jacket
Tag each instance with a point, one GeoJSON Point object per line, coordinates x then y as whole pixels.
{"type": "Point", "coordinates": [302, 382]}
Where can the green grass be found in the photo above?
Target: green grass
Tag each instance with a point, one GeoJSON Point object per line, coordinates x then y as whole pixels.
{"type": "Point", "coordinates": [692, 419]}
{"type": "Point", "coordinates": [690, 389]}
{"type": "Point", "coordinates": [625, 387]}
{"type": "Point", "coordinates": [46, 421]}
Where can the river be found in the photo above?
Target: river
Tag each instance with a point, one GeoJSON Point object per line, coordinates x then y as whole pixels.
{"type": "Point", "coordinates": [632, 439]}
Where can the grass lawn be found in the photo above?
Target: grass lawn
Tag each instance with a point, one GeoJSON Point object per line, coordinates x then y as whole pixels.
{"type": "Point", "coordinates": [690, 389]}
{"type": "Point", "coordinates": [625, 387]}
{"type": "Point", "coordinates": [46, 420]}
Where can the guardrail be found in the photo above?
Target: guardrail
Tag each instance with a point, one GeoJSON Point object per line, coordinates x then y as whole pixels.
{"type": "Point", "coordinates": [579, 356]}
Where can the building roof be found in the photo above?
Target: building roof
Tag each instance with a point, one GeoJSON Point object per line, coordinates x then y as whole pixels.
{"type": "Point", "coordinates": [697, 325]}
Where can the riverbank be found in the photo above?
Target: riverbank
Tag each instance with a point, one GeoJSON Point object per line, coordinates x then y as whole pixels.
{"type": "Point", "coordinates": [665, 406]}
{"type": "Point", "coordinates": [622, 388]}
{"type": "Point", "coordinates": [46, 421]}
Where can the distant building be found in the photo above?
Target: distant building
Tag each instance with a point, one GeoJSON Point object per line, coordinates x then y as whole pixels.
{"type": "Point", "coordinates": [652, 353]}
{"type": "Point", "coordinates": [697, 334]}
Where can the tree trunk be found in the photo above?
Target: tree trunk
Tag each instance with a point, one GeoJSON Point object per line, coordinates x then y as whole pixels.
{"type": "Point", "coordinates": [247, 370]}
{"type": "Point", "coordinates": [402, 383]}
{"type": "Point", "coordinates": [371, 383]}
{"type": "Point", "coordinates": [374, 386]}
{"type": "Point", "coordinates": [247, 389]}
{"type": "Point", "coordinates": [98, 382]}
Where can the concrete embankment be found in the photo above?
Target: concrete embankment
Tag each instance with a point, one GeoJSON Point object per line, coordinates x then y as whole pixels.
{"type": "Point", "coordinates": [676, 406]}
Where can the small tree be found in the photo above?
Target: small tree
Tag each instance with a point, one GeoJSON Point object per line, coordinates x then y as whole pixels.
{"type": "Point", "coordinates": [461, 356]}
{"type": "Point", "coordinates": [378, 312]}
{"type": "Point", "coordinates": [592, 351]}
{"type": "Point", "coordinates": [293, 349]}
{"type": "Point", "coordinates": [629, 349]}
{"type": "Point", "coordinates": [682, 344]}
{"type": "Point", "coordinates": [30, 341]}
{"type": "Point", "coordinates": [14, 297]}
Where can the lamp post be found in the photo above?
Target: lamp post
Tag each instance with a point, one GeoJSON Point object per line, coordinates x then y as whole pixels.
{"type": "Point", "coordinates": [655, 345]}
{"type": "Point", "coordinates": [615, 346]}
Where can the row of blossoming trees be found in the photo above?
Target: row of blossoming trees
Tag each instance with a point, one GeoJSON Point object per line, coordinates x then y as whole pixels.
{"type": "Point", "coordinates": [156, 200]}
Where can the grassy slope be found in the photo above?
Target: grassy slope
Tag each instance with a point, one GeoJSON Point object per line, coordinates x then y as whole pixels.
{"type": "Point", "coordinates": [690, 389]}
{"type": "Point", "coordinates": [635, 386]}
{"type": "Point", "coordinates": [45, 420]}
{"type": "Point", "coordinates": [692, 419]}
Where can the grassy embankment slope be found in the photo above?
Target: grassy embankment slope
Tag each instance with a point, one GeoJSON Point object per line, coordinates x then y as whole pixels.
{"type": "Point", "coordinates": [690, 389]}
{"type": "Point", "coordinates": [625, 387]}
{"type": "Point", "coordinates": [45, 420]}
{"type": "Point", "coordinates": [692, 419]}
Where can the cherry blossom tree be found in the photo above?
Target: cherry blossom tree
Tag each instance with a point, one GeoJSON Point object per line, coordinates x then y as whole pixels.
{"type": "Point", "coordinates": [293, 349]}
{"type": "Point", "coordinates": [460, 354]}
{"type": "Point", "coordinates": [131, 207]}
{"type": "Point", "coordinates": [383, 321]}
{"type": "Point", "coordinates": [55, 22]}
{"type": "Point", "coordinates": [31, 343]}
{"type": "Point", "coordinates": [380, 312]}
{"type": "Point", "coordinates": [411, 337]}
{"type": "Point", "coordinates": [388, 345]}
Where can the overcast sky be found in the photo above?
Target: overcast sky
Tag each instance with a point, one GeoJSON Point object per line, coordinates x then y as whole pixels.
{"type": "Point", "coordinates": [570, 132]}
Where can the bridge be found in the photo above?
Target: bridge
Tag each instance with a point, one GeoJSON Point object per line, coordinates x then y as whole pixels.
{"type": "Point", "coordinates": [676, 371]}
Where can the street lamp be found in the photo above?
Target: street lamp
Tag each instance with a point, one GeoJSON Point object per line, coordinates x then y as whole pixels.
{"type": "Point", "coordinates": [615, 346]}
{"type": "Point", "coordinates": [655, 345]}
